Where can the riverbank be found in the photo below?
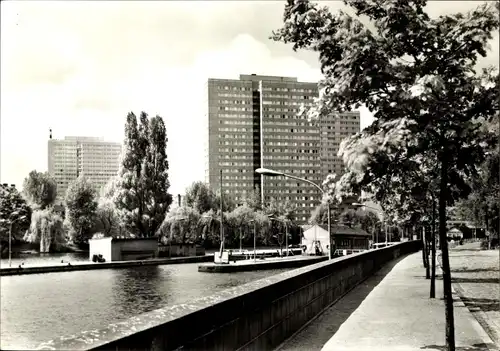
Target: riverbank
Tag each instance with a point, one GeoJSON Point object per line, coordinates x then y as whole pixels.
{"type": "Point", "coordinates": [82, 266]}
{"type": "Point", "coordinates": [23, 248]}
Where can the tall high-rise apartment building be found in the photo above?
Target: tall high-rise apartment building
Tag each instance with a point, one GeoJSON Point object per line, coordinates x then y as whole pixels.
{"type": "Point", "coordinates": [93, 157]}
{"type": "Point", "coordinates": [253, 122]}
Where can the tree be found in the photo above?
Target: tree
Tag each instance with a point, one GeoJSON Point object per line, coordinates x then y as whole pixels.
{"type": "Point", "coordinates": [107, 218]}
{"type": "Point", "coordinates": [239, 220]}
{"type": "Point", "coordinates": [228, 203]}
{"type": "Point", "coordinates": [483, 204]}
{"type": "Point", "coordinates": [252, 199]}
{"type": "Point", "coordinates": [157, 200]}
{"type": "Point", "coordinates": [109, 190]}
{"type": "Point", "coordinates": [39, 189]}
{"type": "Point", "coordinates": [210, 228]}
{"type": "Point", "coordinates": [181, 226]}
{"type": "Point", "coordinates": [417, 75]}
{"type": "Point", "coordinates": [284, 209]}
{"type": "Point", "coordinates": [367, 221]}
{"type": "Point", "coordinates": [200, 197]}
{"type": "Point", "coordinates": [46, 229]}
{"type": "Point", "coordinates": [141, 195]}
{"type": "Point", "coordinates": [319, 215]}
{"type": "Point", "coordinates": [14, 211]}
{"type": "Point", "coordinates": [81, 206]}
{"type": "Point", "coordinates": [263, 228]}
{"type": "Point", "coordinates": [350, 217]}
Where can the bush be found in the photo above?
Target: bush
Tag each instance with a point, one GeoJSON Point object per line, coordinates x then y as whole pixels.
{"type": "Point", "coordinates": [494, 243]}
{"type": "Point", "coordinates": [484, 244]}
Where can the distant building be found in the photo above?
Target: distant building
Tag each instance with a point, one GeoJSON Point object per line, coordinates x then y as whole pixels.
{"type": "Point", "coordinates": [347, 240]}
{"type": "Point", "coordinates": [252, 123]}
{"type": "Point", "coordinates": [123, 249]}
{"type": "Point", "coordinates": [93, 157]}
{"type": "Point", "coordinates": [455, 233]}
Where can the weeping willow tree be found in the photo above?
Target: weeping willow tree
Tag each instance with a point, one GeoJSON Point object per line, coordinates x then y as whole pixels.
{"type": "Point", "coordinates": [180, 226]}
{"type": "Point", "coordinates": [47, 229]}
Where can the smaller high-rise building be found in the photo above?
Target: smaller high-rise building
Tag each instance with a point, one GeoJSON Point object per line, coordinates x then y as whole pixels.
{"type": "Point", "coordinates": [71, 157]}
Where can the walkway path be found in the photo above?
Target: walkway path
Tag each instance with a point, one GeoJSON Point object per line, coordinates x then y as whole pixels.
{"type": "Point", "coordinates": [391, 311]}
{"type": "Point", "coordinates": [476, 279]}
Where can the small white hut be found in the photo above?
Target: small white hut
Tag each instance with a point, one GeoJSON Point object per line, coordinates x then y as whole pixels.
{"type": "Point", "coordinates": [316, 236]}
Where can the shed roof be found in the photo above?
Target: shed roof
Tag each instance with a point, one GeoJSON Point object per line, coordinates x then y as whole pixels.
{"type": "Point", "coordinates": [131, 239]}
{"type": "Point", "coordinates": [124, 238]}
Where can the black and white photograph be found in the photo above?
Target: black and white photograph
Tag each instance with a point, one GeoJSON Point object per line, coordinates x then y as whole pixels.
{"type": "Point", "coordinates": [288, 175]}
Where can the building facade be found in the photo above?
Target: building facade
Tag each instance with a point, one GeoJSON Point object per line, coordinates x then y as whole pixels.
{"type": "Point", "coordinates": [253, 122]}
{"type": "Point", "coordinates": [71, 157]}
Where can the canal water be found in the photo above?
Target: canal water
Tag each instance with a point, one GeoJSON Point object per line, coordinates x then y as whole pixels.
{"type": "Point", "coordinates": [40, 307]}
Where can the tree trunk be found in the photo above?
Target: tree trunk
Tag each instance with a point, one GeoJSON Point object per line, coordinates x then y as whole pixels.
{"type": "Point", "coordinates": [487, 233]}
{"type": "Point", "coordinates": [426, 247]}
{"type": "Point", "coordinates": [433, 248]}
{"type": "Point", "coordinates": [445, 264]}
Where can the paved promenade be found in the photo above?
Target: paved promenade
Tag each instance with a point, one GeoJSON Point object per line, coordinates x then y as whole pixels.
{"type": "Point", "coordinates": [476, 279]}
{"type": "Point", "coordinates": [391, 311]}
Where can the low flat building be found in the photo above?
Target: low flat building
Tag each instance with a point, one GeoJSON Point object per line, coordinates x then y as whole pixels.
{"type": "Point", "coordinates": [181, 250]}
{"type": "Point", "coordinates": [350, 240]}
{"type": "Point", "coordinates": [123, 249]}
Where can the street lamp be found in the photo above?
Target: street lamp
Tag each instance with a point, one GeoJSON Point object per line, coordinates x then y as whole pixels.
{"type": "Point", "coordinates": [356, 204]}
{"type": "Point", "coordinates": [10, 235]}
{"type": "Point", "coordinates": [254, 240]}
{"type": "Point", "coordinates": [272, 173]}
{"type": "Point", "coordinates": [373, 234]}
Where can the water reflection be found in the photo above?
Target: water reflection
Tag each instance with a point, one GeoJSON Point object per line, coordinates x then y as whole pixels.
{"type": "Point", "coordinates": [137, 289]}
{"type": "Point", "coordinates": [40, 307]}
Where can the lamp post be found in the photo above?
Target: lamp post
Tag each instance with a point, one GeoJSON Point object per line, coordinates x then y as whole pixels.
{"type": "Point", "coordinates": [254, 241]}
{"type": "Point", "coordinates": [10, 236]}
{"type": "Point", "coordinates": [272, 173]}
{"type": "Point", "coordinates": [373, 234]}
{"type": "Point", "coordinates": [356, 204]}
{"type": "Point", "coordinates": [394, 226]}
{"type": "Point", "coordinates": [221, 217]}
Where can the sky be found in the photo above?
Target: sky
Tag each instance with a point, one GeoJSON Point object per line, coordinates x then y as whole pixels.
{"type": "Point", "coordinates": [79, 67]}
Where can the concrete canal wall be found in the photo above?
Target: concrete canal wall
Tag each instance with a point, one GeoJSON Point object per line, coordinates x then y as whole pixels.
{"type": "Point", "coordinates": [255, 316]}
{"type": "Point", "coordinates": [65, 267]}
{"type": "Point", "coordinates": [270, 263]}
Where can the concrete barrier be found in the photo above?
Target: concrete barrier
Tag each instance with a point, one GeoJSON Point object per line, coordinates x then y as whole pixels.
{"type": "Point", "coordinates": [255, 316]}
{"type": "Point", "coordinates": [65, 267]}
{"type": "Point", "coordinates": [251, 265]}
